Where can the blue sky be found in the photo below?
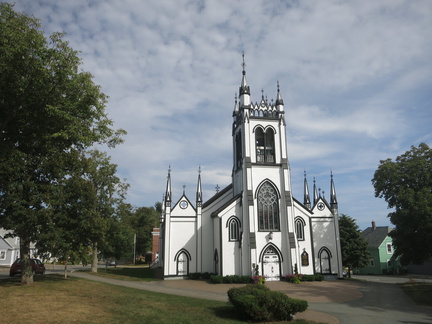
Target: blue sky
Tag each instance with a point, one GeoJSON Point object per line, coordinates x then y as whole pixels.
{"type": "Point", "coordinates": [355, 77]}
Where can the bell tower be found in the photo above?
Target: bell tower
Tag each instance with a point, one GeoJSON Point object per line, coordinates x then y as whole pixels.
{"type": "Point", "coordinates": [261, 175]}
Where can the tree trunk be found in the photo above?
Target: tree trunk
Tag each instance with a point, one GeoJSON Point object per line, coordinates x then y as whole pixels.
{"type": "Point", "coordinates": [26, 267]}
{"type": "Point", "coordinates": [65, 269]}
{"type": "Point", "coordinates": [95, 258]}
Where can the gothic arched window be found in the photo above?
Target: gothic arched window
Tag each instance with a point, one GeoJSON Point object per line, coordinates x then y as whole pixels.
{"type": "Point", "coordinates": [238, 150]}
{"type": "Point", "coordinates": [233, 229]}
{"type": "Point", "coordinates": [268, 208]}
{"type": "Point", "coordinates": [264, 145]}
{"type": "Point", "coordinates": [299, 228]}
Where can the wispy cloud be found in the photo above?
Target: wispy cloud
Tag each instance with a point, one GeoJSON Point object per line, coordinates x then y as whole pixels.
{"type": "Point", "coordinates": [354, 75]}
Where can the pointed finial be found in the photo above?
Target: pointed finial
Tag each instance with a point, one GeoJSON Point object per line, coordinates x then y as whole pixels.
{"type": "Point", "coordinates": [305, 173]}
{"type": "Point", "coordinates": [199, 169]}
{"type": "Point", "coordinates": [184, 187]}
{"type": "Point", "coordinates": [217, 188]}
{"type": "Point", "coordinates": [243, 63]}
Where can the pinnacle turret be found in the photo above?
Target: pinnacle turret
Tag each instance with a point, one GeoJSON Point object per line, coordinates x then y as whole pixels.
{"type": "Point", "coordinates": [199, 189]}
{"type": "Point", "coordinates": [306, 199]}
{"type": "Point", "coordinates": [333, 199]}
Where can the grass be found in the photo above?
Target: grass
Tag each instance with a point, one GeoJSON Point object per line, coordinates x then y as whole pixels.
{"type": "Point", "coordinates": [127, 273]}
{"type": "Point", "coordinates": [420, 293]}
{"type": "Point", "coordinates": [54, 299]}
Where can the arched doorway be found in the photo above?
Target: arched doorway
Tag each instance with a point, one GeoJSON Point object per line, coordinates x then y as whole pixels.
{"type": "Point", "coordinates": [271, 263]}
{"type": "Point", "coordinates": [325, 260]}
{"type": "Point", "coordinates": [182, 261]}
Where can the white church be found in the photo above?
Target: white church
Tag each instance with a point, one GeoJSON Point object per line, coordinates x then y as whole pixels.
{"type": "Point", "coordinates": [254, 224]}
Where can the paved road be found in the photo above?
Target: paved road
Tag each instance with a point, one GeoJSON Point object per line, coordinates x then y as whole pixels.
{"type": "Point", "coordinates": [382, 302]}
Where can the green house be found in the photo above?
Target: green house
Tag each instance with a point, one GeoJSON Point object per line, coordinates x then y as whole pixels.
{"type": "Point", "coordinates": [380, 247]}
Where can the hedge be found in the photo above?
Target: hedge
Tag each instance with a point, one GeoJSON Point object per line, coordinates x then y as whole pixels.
{"type": "Point", "coordinates": [259, 303]}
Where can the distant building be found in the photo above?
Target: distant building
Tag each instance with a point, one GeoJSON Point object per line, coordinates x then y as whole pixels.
{"type": "Point", "coordinates": [9, 248]}
{"type": "Point", "coordinates": [254, 225]}
{"type": "Point", "coordinates": [380, 247]}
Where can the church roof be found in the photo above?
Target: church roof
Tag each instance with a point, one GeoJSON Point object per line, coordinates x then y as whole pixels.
{"type": "Point", "coordinates": [217, 195]}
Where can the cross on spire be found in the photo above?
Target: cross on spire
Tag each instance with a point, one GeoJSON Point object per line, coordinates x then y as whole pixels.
{"type": "Point", "coordinates": [243, 64]}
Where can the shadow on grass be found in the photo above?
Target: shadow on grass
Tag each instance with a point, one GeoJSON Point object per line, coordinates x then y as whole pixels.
{"type": "Point", "coordinates": [137, 273]}
{"type": "Point", "coordinates": [420, 293]}
{"type": "Point", "coordinates": [226, 312]}
{"type": "Point", "coordinates": [16, 280]}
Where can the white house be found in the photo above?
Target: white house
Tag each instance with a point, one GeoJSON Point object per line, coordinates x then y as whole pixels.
{"type": "Point", "coordinates": [255, 223]}
{"type": "Point", "coordinates": [9, 248]}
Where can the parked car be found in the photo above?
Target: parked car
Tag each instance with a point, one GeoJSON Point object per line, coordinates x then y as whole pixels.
{"type": "Point", "coordinates": [37, 265]}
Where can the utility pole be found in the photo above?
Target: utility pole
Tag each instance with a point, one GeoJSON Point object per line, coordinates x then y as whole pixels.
{"type": "Point", "coordinates": [134, 249]}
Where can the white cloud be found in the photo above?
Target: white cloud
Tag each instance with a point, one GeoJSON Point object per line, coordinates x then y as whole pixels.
{"type": "Point", "coordinates": [354, 75]}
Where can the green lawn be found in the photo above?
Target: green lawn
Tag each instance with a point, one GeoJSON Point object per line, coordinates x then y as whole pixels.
{"type": "Point", "coordinates": [54, 299]}
{"type": "Point", "coordinates": [127, 273]}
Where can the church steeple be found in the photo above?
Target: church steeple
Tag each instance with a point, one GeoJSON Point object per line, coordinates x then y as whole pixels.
{"type": "Point", "coordinates": [333, 199]}
{"type": "Point", "coordinates": [244, 91]}
{"type": "Point", "coordinates": [279, 100]}
{"type": "Point", "coordinates": [168, 189]}
{"type": "Point", "coordinates": [306, 199]}
{"type": "Point", "coordinates": [315, 192]}
{"type": "Point", "coordinates": [199, 189]}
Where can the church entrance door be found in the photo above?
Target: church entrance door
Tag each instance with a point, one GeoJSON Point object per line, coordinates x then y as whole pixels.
{"type": "Point", "coordinates": [182, 264]}
{"type": "Point", "coordinates": [325, 262]}
{"type": "Point", "coordinates": [271, 265]}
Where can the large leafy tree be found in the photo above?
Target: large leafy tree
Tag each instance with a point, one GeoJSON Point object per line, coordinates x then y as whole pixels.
{"type": "Point", "coordinates": [353, 245]}
{"type": "Point", "coordinates": [406, 185]}
{"type": "Point", "coordinates": [109, 192]}
{"type": "Point", "coordinates": [48, 108]}
{"type": "Point", "coordinates": [83, 207]}
{"type": "Point", "coordinates": [141, 221]}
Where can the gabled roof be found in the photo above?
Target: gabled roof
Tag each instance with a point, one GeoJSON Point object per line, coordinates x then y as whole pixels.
{"type": "Point", "coordinates": [217, 196]}
{"type": "Point", "coordinates": [376, 236]}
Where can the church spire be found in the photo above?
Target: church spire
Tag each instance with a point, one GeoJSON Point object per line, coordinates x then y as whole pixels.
{"type": "Point", "coordinates": [244, 91]}
{"type": "Point", "coordinates": [168, 189]}
{"type": "Point", "coordinates": [306, 199]}
{"type": "Point", "coordinates": [333, 199]}
{"type": "Point", "coordinates": [236, 108]}
{"type": "Point", "coordinates": [199, 189]}
{"type": "Point", "coordinates": [279, 100]}
{"type": "Point", "coordinates": [315, 192]}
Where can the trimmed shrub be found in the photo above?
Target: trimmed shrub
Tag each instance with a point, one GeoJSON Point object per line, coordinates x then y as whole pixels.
{"type": "Point", "coordinates": [308, 278]}
{"type": "Point", "coordinates": [300, 277]}
{"type": "Point", "coordinates": [293, 278]}
{"type": "Point", "coordinates": [216, 279]}
{"type": "Point", "coordinates": [230, 279]}
{"type": "Point", "coordinates": [194, 275]}
{"type": "Point", "coordinates": [258, 303]}
{"type": "Point", "coordinates": [206, 275]}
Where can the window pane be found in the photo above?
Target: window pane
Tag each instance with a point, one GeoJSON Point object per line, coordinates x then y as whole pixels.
{"type": "Point", "coordinates": [268, 209]}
